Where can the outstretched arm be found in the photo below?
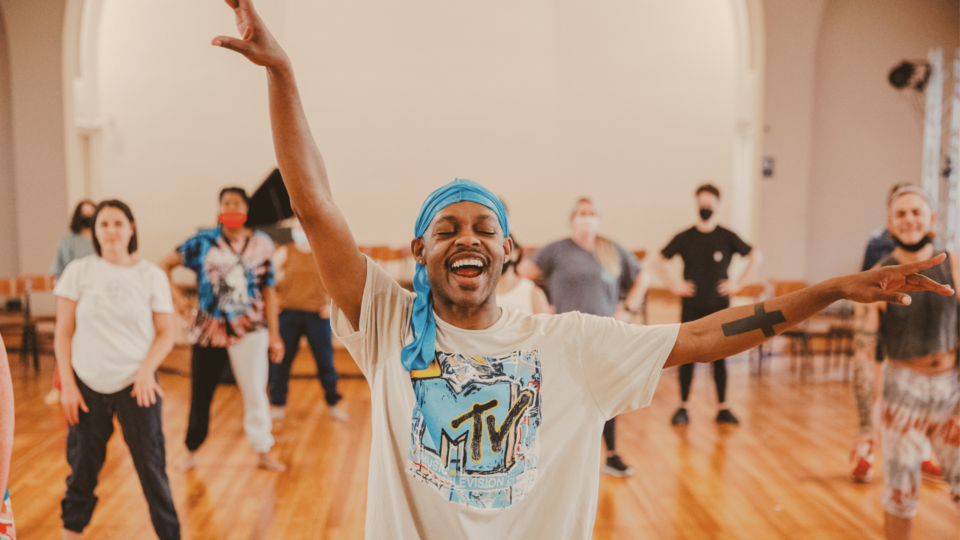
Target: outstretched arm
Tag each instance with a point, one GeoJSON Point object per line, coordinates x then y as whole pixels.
{"type": "Point", "coordinates": [738, 329]}
{"type": "Point", "coordinates": [342, 266]}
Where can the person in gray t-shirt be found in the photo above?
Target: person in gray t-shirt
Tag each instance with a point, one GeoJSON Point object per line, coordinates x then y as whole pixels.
{"type": "Point", "coordinates": [590, 274]}
{"type": "Point", "coordinates": [78, 243]}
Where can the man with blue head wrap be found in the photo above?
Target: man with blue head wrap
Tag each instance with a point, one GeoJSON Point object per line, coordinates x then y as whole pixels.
{"type": "Point", "coordinates": [419, 353]}
{"type": "Point", "coordinates": [485, 421]}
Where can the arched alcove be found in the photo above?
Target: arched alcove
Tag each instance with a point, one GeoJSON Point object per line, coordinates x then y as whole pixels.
{"type": "Point", "coordinates": [634, 104]}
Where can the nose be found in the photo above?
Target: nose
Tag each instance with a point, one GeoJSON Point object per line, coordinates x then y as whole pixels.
{"type": "Point", "coordinates": [467, 238]}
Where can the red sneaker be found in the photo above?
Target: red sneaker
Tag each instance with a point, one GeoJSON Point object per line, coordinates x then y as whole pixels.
{"type": "Point", "coordinates": [863, 472]}
{"type": "Point", "coordinates": [931, 471]}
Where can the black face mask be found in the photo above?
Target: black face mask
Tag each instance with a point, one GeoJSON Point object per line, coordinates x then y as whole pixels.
{"type": "Point", "coordinates": [86, 222]}
{"type": "Point", "coordinates": [913, 248]}
{"type": "Point", "coordinates": [705, 213]}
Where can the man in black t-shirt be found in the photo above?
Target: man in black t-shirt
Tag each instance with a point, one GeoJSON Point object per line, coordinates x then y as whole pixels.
{"type": "Point", "coordinates": [707, 250]}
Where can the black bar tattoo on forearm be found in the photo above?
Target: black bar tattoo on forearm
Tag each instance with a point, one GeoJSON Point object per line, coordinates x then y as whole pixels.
{"type": "Point", "coordinates": [760, 320]}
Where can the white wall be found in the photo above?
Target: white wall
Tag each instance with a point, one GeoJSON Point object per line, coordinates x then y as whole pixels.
{"type": "Point", "coordinates": [544, 101]}
{"type": "Point", "coordinates": [34, 29]}
{"type": "Point", "coordinates": [792, 29]}
{"type": "Point", "coordinates": [9, 252]}
{"type": "Point", "coordinates": [866, 134]}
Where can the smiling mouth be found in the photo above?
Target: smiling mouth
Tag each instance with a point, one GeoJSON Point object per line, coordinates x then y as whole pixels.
{"type": "Point", "coordinates": [467, 268]}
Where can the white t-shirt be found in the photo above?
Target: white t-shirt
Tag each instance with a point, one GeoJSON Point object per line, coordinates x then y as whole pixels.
{"type": "Point", "coordinates": [500, 437]}
{"type": "Point", "coordinates": [519, 297]}
{"type": "Point", "coordinates": [115, 307]}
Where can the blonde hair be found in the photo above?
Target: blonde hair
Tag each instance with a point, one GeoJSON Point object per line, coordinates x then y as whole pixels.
{"type": "Point", "coordinates": [907, 189]}
{"type": "Point", "coordinates": [604, 248]}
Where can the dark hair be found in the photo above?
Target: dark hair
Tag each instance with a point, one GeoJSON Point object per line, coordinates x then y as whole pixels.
{"type": "Point", "coordinates": [121, 206]}
{"type": "Point", "coordinates": [75, 225]}
{"type": "Point", "coordinates": [708, 188]}
{"type": "Point", "coordinates": [239, 191]}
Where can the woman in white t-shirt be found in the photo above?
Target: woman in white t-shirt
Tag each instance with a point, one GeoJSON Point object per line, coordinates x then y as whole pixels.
{"type": "Point", "coordinates": [114, 328]}
{"type": "Point", "coordinates": [516, 292]}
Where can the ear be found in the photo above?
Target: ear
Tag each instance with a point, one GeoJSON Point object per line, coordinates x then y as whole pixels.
{"type": "Point", "coordinates": [417, 248]}
{"type": "Point", "coordinates": [507, 248]}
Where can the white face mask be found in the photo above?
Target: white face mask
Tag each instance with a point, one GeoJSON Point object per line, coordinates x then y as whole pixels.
{"type": "Point", "coordinates": [586, 224]}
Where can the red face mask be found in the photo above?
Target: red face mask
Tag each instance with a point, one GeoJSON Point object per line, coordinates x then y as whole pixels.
{"type": "Point", "coordinates": [233, 219]}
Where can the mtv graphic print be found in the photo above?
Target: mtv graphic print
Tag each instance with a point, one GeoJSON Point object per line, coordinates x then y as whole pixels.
{"type": "Point", "coordinates": [475, 429]}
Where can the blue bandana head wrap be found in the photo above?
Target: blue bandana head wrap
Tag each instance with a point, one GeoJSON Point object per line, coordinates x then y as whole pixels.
{"type": "Point", "coordinates": [419, 353]}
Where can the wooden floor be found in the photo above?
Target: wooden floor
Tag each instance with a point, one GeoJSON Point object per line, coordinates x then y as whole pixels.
{"type": "Point", "coordinates": [782, 474]}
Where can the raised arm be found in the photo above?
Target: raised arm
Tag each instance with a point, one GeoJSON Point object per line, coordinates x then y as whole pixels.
{"type": "Point", "coordinates": [342, 266]}
{"type": "Point", "coordinates": [738, 329]}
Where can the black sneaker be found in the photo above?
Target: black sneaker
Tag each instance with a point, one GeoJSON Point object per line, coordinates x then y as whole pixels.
{"type": "Point", "coordinates": [616, 467]}
{"type": "Point", "coordinates": [680, 417]}
{"type": "Point", "coordinates": [727, 417]}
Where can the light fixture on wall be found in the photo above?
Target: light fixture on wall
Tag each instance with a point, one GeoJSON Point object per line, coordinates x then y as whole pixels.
{"type": "Point", "coordinates": [913, 75]}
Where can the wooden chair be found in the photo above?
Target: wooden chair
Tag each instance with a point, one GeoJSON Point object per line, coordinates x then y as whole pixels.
{"type": "Point", "coordinates": [16, 327]}
{"type": "Point", "coordinates": [37, 333]}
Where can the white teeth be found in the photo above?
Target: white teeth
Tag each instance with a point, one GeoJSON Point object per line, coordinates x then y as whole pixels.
{"type": "Point", "coordinates": [468, 262]}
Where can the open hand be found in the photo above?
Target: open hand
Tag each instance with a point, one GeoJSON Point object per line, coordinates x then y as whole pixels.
{"type": "Point", "coordinates": [888, 283]}
{"type": "Point", "coordinates": [146, 388]}
{"type": "Point", "coordinates": [686, 289]}
{"type": "Point", "coordinates": [729, 288]}
{"type": "Point", "coordinates": [276, 349]}
{"type": "Point", "coordinates": [256, 42]}
{"type": "Point", "coordinates": [72, 401]}
{"type": "Point", "coordinates": [623, 315]}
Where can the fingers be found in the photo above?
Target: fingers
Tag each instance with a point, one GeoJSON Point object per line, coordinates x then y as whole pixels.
{"type": "Point", "coordinates": [894, 298]}
{"type": "Point", "coordinates": [923, 283]}
{"type": "Point", "coordinates": [234, 4]}
{"type": "Point", "coordinates": [913, 268]}
{"type": "Point", "coordinates": [72, 413]}
{"type": "Point", "coordinates": [234, 44]}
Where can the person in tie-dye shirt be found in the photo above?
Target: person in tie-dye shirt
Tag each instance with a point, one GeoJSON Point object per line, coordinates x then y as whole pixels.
{"type": "Point", "coordinates": [236, 321]}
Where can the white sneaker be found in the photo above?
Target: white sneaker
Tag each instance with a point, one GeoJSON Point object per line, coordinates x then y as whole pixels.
{"type": "Point", "coordinates": [339, 414]}
{"type": "Point", "coordinates": [276, 413]}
